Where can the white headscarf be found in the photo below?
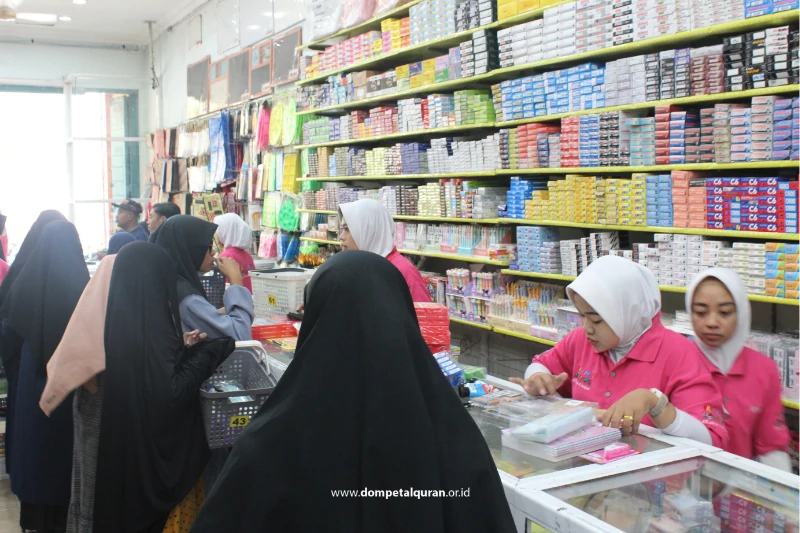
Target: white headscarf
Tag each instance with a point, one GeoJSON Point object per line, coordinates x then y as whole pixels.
{"type": "Point", "coordinates": [371, 226]}
{"type": "Point", "coordinates": [233, 231]}
{"type": "Point", "coordinates": [725, 356]}
{"type": "Point", "coordinates": [624, 294]}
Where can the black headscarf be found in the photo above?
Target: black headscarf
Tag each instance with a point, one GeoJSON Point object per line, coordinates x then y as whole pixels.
{"type": "Point", "coordinates": [363, 405]}
{"type": "Point", "coordinates": [186, 239]}
{"type": "Point", "coordinates": [152, 446]}
{"type": "Point", "coordinates": [44, 295]}
{"type": "Point", "coordinates": [25, 251]}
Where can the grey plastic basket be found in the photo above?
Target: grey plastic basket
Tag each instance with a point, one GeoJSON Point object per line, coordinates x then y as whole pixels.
{"type": "Point", "coordinates": [214, 285]}
{"type": "Point", "coordinates": [223, 420]}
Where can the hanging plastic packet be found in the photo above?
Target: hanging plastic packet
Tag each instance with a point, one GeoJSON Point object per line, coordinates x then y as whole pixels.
{"type": "Point", "coordinates": [292, 250]}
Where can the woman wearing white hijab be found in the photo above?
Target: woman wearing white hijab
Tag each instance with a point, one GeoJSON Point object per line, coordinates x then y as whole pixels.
{"type": "Point", "coordinates": [236, 236]}
{"type": "Point", "coordinates": [367, 225]}
{"type": "Point", "coordinates": [626, 361]}
{"type": "Point", "coordinates": [749, 381]}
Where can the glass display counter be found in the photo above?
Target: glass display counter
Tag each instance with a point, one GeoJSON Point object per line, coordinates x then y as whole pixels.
{"type": "Point", "coordinates": [715, 492]}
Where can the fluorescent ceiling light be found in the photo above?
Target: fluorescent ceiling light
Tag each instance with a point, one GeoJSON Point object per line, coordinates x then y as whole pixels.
{"type": "Point", "coordinates": [253, 27]}
{"type": "Point", "coordinates": [37, 18]}
{"type": "Point", "coordinates": [79, 2]}
{"type": "Point", "coordinates": [64, 18]}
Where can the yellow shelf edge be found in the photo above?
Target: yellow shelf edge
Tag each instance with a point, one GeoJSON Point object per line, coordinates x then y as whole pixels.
{"type": "Point", "coordinates": [790, 404]}
{"type": "Point", "coordinates": [517, 19]}
{"type": "Point", "coordinates": [350, 31]}
{"type": "Point", "coordinates": [473, 324]}
{"type": "Point", "coordinates": [455, 257]}
{"type": "Point", "coordinates": [508, 332]}
{"type": "Point", "coordinates": [541, 275]}
{"type": "Point", "coordinates": [319, 211]}
{"type": "Point", "coordinates": [656, 229]}
{"type": "Point", "coordinates": [446, 219]}
{"type": "Point", "coordinates": [319, 241]}
{"type": "Point", "coordinates": [390, 177]}
{"type": "Point", "coordinates": [651, 168]}
{"type": "Point", "coordinates": [399, 135]}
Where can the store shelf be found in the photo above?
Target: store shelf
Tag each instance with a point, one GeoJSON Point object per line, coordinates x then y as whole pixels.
{"type": "Point", "coordinates": [508, 332]}
{"type": "Point", "coordinates": [456, 257]}
{"type": "Point", "coordinates": [676, 40]}
{"type": "Point", "coordinates": [790, 404]}
{"type": "Point", "coordinates": [473, 324]}
{"type": "Point", "coordinates": [391, 97]}
{"type": "Point", "coordinates": [389, 177]}
{"type": "Point", "coordinates": [427, 49]}
{"type": "Point", "coordinates": [664, 288]}
{"type": "Point", "coordinates": [653, 168]}
{"type": "Point", "coordinates": [319, 241]}
{"type": "Point", "coordinates": [447, 219]}
{"type": "Point", "coordinates": [688, 100]}
{"type": "Point", "coordinates": [318, 211]}
{"type": "Point", "coordinates": [734, 234]}
{"type": "Point", "coordinates": [401, 135]}
{"type": "Point", "coordinates": [368, 25]}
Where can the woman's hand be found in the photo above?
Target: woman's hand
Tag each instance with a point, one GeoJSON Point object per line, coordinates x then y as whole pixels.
{"type": "Point", "coordinates": [193, 337]}
{"type": "Point", "coordinates": [231, 269]}
{"type": "Point", "coordinates": [627, 413]}
{"type": "Point", "coordinates": [541, 383]}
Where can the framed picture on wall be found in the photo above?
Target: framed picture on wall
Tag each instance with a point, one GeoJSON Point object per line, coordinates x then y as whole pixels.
{"type": "Point", "coordinates": [218, 85]}
{"type": "Point", "coordinates": [197, 78]}
{"type": "Point", "coordinates": [286, 57]}
{"type": "Point", "coordinates": [239, 77]}
{"type": "Point", "coordinates": [261, 68]}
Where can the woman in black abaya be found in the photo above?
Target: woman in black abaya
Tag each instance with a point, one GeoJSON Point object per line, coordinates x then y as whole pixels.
{"type": "Point", "coordinates": [363, 405]}
{"type": "Point", "coordinates": [39, 305]}
{"type": "Point", "coordinates": [10, 342]}
{"type": "Point", "coordinates": [152, 447]}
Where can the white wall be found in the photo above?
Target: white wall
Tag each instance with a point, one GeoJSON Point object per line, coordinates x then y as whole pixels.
{"type": "Point", "coordinates": [168, 108]}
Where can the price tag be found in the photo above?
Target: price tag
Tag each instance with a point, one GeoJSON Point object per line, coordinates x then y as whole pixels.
{"type": "Point", "coordinates": [273, 300]}
{"type": "Point", "coordinates": [239, 421]}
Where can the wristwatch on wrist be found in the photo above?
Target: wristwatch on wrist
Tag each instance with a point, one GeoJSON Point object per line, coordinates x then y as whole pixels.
{"type": "Point", "coordinates": [661, 404]}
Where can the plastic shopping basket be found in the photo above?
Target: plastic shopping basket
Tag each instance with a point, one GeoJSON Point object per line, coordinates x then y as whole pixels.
{"type": "Point", "coordinates": [278, 291]}
{"type": "Point", "coordinates": [225, 420]}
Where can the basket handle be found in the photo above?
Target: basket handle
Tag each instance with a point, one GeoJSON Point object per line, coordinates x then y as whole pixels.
{"type": "Point", "coordinates": [231, 394]}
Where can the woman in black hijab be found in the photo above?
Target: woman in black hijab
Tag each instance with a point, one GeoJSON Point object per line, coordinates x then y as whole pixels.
{"type": "Point", "coordinates": [39, 305]}
{"type": "Point", "coordinates": [152, 447]}
{"type": "Point", "coordinates": [363, 405]}
{"type": "Point", "coordinates": [189, 241]}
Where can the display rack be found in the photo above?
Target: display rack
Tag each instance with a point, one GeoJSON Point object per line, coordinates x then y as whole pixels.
{"type": "Point", "coordinates": [400, 135]}
{"type": "Point", "coordinates": [456, 257]}
{"type": "Point", "coordinates": [664, 288]}
{"type": "Point", "coordinates": [320, 241]}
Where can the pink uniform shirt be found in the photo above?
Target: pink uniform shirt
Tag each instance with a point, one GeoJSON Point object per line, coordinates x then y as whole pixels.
{"type": "Point", "coordinates": [660, 359]}
{"type": "Point", "coordinates": [751, 398]}
{"type": "Point", "coordinates": [245, 261]}
{"type": "Point", "coordinates": [419, 291]}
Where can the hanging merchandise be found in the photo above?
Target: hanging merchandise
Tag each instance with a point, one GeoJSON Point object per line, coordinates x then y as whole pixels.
{"type": "Point", "coordinates": [283, 245]}
{"type": "Point", "coordinates": [288, 217]}
{"type": "Point", "coordinates": [291, 171]}
{"type": "Point", "coordinates": [217, 163]}
{"type": "Point", "coordinates": [292, 124]}
{"type": "Point", "coordinates": [292, 251]}
{"type": "Point", "coordinates": [276, 124]}
{"type": "Point", "coordinates": [271, 203]}
{"type": "Point", "coordinates": [268, 247]}
{"type": "Point", "coordinates": [263, 128]}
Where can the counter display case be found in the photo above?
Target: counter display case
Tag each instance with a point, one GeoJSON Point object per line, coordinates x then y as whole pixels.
{"type": "Point", "coordinates": [714, 492]}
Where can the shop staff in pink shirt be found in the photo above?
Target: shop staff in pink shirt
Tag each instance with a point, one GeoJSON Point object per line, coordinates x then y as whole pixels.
{"type": "Point", "coordinates": [367, 225]}
{"type": "Point", "coordinates": [626, 361]}
{"type": "Point", "coordinates": [749, 381]}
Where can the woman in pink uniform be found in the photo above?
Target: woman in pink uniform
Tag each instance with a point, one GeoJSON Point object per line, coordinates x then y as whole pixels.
{"type": "Point", "coordinates": [749, 381]}
{"type": "Point", "coordinates": [236, 236]}
{"type": "Point", "coordinates": [366, 225]}
{"type": "Point", "coordinates": [626, 361]}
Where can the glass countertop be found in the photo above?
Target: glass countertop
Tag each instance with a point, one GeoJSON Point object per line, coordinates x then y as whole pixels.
{"type": "Point", "coordinates": [521, 465]}
{"type": "Point", "coordinates": [700, 495]}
